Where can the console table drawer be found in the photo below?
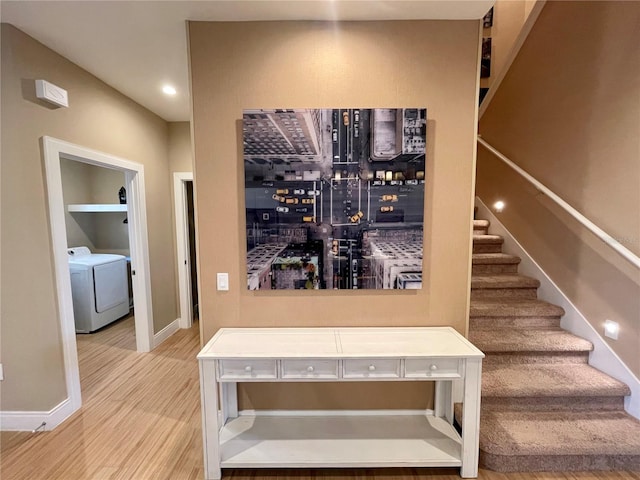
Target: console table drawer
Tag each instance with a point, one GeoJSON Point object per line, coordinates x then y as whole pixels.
{"type": "Point", "coordinates": [247, 369]}
{"type": "Point", "coordinates": [371, 368]}
{"type": "Point", "coordinates": [432, 368]}
{"type": "Point", "coordinates": [310, 369]}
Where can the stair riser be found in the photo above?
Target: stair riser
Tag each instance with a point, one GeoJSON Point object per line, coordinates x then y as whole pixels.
{"type": "Point", "coordinates": [558, 463]}
{"type": "Point", "coordinates": [552, 404]}
{"type": "Point", "coordinates": [478, 293]}
{"type": "Point", "coordinates": [494, 268]}
{"type": "Point", "coordinates": [533, 358]}
{"type": "Point", "coordinates": [487, 248]}
{"type": "Point", "coordinates": [480, 230]}
{"type": "Point", "coordinates": [513, 322]}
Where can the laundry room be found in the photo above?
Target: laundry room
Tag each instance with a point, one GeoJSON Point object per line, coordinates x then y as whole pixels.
{"type": "Point", "coordinates": [98, 244]}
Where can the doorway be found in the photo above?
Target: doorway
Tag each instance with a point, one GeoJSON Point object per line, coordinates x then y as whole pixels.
{"type": "Point", "coordinates": [186, 247]}
{"type": "Point", "coordinates": [54, 151]}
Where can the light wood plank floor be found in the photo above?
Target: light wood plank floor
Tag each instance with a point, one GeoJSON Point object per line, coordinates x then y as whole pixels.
{"type": "Point", "coordinates": [140, 420]}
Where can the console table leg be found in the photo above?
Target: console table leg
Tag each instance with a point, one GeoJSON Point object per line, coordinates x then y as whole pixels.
{"type": "Point", "coordinates": [210, 427]}
{"type": "Point", "coordinates": [471, 418]}
{"type": "Point", "coordinates": [229, 400]}
{"type": "Point", "coordinates": [443, 400]}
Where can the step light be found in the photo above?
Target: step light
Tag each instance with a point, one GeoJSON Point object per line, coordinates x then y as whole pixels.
{"type": "Point", "coordinates": [611, 329]}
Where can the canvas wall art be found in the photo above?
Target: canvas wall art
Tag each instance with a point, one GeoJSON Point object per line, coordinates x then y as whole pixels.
{"type": "Point", "coordinates": [334, 198]}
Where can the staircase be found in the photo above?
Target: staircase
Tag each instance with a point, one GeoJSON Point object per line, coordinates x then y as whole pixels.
{"type": "Point", "coordinates": [543, 407]}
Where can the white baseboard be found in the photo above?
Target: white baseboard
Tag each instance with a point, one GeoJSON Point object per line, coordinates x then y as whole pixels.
{"type": "Point", "coordinates": [29, 421]}
{"type": "Point", "coordinates": [603, 357]}
{"type": "Point", "coordinates": [166, 332]}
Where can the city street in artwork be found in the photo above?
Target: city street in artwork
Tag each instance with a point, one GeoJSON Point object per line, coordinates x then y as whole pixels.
{"type": "Point", "coordinates": [334, 198]}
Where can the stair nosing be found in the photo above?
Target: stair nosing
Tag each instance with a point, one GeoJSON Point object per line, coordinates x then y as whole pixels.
{"type": "Point", "coordinates": [609, 386]}
{"type": "Point", "coordinates": [600, 446]}
{"type": "Point", "coordinates": [573, 344]}
{"type": "Point", "coordinates": [502, 281]}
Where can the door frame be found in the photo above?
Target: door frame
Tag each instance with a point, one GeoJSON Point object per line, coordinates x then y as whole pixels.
{"type": "Point", "coordinates": [54, 150]}
{"type": "Point", "coordinates": [183, 256]}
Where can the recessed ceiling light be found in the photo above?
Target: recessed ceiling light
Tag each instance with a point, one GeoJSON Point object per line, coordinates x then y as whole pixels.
{"type": "Point", "coordinates": [499, 206]}
{"type": "Point", "coordinates": [169, 90]}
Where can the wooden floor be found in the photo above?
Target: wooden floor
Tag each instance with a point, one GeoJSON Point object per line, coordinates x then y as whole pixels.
{"type": "Point", "coordinates": [140, 420]}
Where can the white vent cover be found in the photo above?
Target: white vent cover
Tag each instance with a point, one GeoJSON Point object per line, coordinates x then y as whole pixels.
{"type": "Point", "coordinates": [51, 93]}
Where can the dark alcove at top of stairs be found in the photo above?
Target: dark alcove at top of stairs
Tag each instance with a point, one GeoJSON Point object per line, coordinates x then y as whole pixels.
{"type": "Point", "coordinates": [543, 407]}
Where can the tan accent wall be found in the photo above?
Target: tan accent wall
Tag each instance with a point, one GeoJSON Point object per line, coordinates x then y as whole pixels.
{"type": "Point", "coordinates": [236, 66]}
{"type": "Point", "coordinates": [568, 113]}
{"type": "Point", "coordinates": [99, 118]}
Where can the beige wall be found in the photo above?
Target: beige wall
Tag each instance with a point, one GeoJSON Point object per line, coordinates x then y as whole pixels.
{"type": "Point", "coordinates": [430, 64]}
{"type": "Point", "coordinates": [568, 112]}
{"type": "Point", "coordinates": [509, 17]}
{"type": "Point", "coordinates": [102, 232]}
{"type": "Point", "coordinates": [99, 118]}
{"type": "Point", "coordinates": [180, 147]}
{"type": "Point", "coordinates": [180, 160]}
{"type": "Point", "coordinates": [76, 188]}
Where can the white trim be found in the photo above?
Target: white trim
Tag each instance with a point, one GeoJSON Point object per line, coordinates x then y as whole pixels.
{"type": "Point", "coordinates": [332, 413]}
{"type": "Point", "coordinates": [139, 253]}
{"type": "Point", "coordinates": [166, 332]}
{"type": "Point", "coordinates": [458, 393]}
{"type": "Point", "coordinates": [592, 227]}
{"type": "Point", "coordinates": [29, 421]}
{"type": "Point", "coordinates": [513, 53]}
{"type": "Point", "coordinates": [182, 247]}
{"type": "Point", "coordinates": [603, 357]}
{"type": "Point", "coordinates": [53, 151]}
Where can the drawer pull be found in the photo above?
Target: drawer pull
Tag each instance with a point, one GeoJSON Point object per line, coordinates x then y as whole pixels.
{"type": "Point", "coordinates": [247, 368]}
{"type": "Point", "coordinates": [310, 368]}
{"type": "Point", "coordinates": [372, 368]}
{"type": "Point", "coordinates": [433, 367]}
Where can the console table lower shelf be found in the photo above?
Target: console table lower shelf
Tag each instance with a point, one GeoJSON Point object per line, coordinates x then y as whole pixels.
{"type": "Point", "coordinates": [300, 441]}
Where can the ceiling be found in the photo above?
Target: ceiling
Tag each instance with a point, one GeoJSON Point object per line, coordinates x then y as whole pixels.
{"type": "Point", "coordinates": [138, 46]}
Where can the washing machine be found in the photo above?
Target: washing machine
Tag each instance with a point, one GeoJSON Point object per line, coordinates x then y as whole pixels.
{"type": "Point", "coordinates": [99, 287]}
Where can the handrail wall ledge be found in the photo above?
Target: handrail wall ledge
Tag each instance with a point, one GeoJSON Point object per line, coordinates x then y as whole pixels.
{"type": "Point", "coordinates": [597, 231]}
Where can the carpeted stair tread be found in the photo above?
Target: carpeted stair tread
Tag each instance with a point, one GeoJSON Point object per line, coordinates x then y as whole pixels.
{"type": "Point", "coordinates": [561, 434]}
{"type": "Point", "coordinates": [518, 380]}
{"type": "Point", "coordinates": [494, 259]}
{"type": "Point", "coordinates": [522, 340]}
{"type": "Point", "coordinates": [481, 223]}
{"type": "Point", "coordinates": [511, 307]}
{"type": "Point", "coordinates": [503, 281]}
{"type": "Point", "coordinates": [487, 239]}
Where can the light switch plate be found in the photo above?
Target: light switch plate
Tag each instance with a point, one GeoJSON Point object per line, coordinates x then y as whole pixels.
{"type": "Point", "coordinates": [223, 281]}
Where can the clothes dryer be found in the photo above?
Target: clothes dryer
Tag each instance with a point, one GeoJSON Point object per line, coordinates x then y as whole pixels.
{"type": "Point", "coordinates": [99, 287]}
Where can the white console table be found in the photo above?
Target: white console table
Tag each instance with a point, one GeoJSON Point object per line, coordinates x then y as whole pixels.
{"type": "Point", "coordinates": [301, 439]}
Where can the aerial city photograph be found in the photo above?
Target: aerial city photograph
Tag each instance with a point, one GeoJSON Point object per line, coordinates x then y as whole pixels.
{"type": "Point", "coordinates": [334, 198]}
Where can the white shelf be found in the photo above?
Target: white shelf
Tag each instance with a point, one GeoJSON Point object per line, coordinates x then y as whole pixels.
{"type": "Point", "coordinates": [339, 441]}
{"type": "Point", "coordinates": [97, 207]}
